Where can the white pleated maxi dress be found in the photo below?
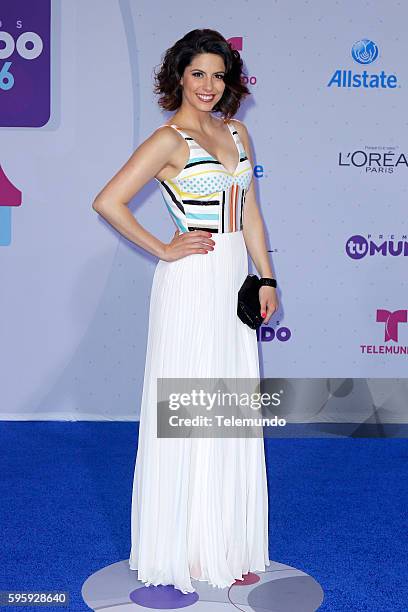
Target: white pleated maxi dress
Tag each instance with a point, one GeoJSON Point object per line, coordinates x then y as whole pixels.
{"type": "Point", "coordinates": [199, 505]}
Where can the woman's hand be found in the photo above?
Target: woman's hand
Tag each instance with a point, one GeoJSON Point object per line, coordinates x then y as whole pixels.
{"type": "Point", "coordinates": [186, 243]}
{"type": "Point", "coordinates": [268, 301]}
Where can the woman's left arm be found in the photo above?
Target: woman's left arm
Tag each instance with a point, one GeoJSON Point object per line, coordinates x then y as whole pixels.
{"type": "Point", "coordinates": [254, 235]}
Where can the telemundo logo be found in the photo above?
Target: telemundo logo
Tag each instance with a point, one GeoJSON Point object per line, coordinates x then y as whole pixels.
{"type": "Point", "coordinates": [364, 51]}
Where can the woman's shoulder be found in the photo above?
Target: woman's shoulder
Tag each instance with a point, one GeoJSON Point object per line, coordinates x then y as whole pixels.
{"type": "Point", "coordinates": [165, 128]}
{"type": "Point", "coordinates": [167, 135]}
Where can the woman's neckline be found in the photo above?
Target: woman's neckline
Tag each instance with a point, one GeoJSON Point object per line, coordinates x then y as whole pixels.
{"type": "Point", "coordinates": [230, 128]}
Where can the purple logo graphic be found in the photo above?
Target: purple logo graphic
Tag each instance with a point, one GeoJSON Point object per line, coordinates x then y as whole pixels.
{"type": "Point", "coordinates": [391, 320]}
{"type": "Point", "coordinates": [9, 196]}
{"type": "Point", "coordinates": [25, 31]}
{"type": "Point", "coordinates": [358, 247]}
{"type": "Point", "coordinates": [267, 334]}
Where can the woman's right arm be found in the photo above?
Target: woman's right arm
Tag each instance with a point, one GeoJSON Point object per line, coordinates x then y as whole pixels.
{"type": "Point", "coordinates": [112, 201]}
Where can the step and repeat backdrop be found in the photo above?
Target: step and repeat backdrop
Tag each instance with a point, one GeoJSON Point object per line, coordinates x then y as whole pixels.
{"type": "Point", "coordinates": [328, 125]}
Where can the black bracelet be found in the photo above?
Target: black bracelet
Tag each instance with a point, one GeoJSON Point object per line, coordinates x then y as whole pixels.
{"type": "Point", "coordinates": [269, 282]}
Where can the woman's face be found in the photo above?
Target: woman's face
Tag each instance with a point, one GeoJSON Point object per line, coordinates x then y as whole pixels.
{"type": "Point", "coordinates": [203, 81]}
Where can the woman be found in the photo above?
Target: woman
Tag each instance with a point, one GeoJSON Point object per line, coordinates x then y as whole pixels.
{"type": "Point", "coordinates": [199, 506]}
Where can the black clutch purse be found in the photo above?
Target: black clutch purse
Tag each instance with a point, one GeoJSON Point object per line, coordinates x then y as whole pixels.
{"type": "Point", "coordinates": [249, 307]}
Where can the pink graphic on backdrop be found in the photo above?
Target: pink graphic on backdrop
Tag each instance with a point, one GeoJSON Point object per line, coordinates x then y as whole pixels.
{"type": "Point", "coordinates": [236, 42]}
{"type": "Point", "coordinates": [9, 196]}
{"type": "Point", "coordinates": [391, 320]}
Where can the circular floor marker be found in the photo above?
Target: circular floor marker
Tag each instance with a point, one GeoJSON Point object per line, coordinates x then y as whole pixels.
{"type": "Point", "coordinates": [162, 596]}
{"type": "Point", "coordinates": [115, 588]}
{"type": "Point", "coordinates": [249, 578]}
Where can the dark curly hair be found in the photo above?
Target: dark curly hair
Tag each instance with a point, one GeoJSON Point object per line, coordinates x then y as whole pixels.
{"type": "Point", "coordinates": [181, 54]}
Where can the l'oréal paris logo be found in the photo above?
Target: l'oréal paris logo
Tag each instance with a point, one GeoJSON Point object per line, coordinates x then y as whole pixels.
{"type": "Point", "coordinates": [358, 247]}
{"type": "Point", "coordinates": [374, 160]}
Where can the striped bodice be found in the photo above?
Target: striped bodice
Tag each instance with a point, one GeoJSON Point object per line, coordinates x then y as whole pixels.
{"type": "Point", "coordinates": [204, 195]}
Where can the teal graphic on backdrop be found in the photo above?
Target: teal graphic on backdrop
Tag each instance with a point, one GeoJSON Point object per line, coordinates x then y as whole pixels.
{"type": "Point", "coordinates": [25, 32]}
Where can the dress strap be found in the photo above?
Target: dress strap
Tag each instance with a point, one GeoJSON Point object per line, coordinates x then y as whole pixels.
{"type": "Point", "coordinates": [234, 132]}
{"type": "Point", "coordinates": [176, 127]}
{"type": "Point", "coordinates": [237, 138]}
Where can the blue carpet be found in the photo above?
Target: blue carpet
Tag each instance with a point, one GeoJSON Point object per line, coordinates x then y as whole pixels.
{"type": "Point", "coordinates": [338, 510]}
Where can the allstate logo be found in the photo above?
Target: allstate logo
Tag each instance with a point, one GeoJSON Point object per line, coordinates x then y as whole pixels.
{"type": "Point", "coordinates": [364, 51]}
